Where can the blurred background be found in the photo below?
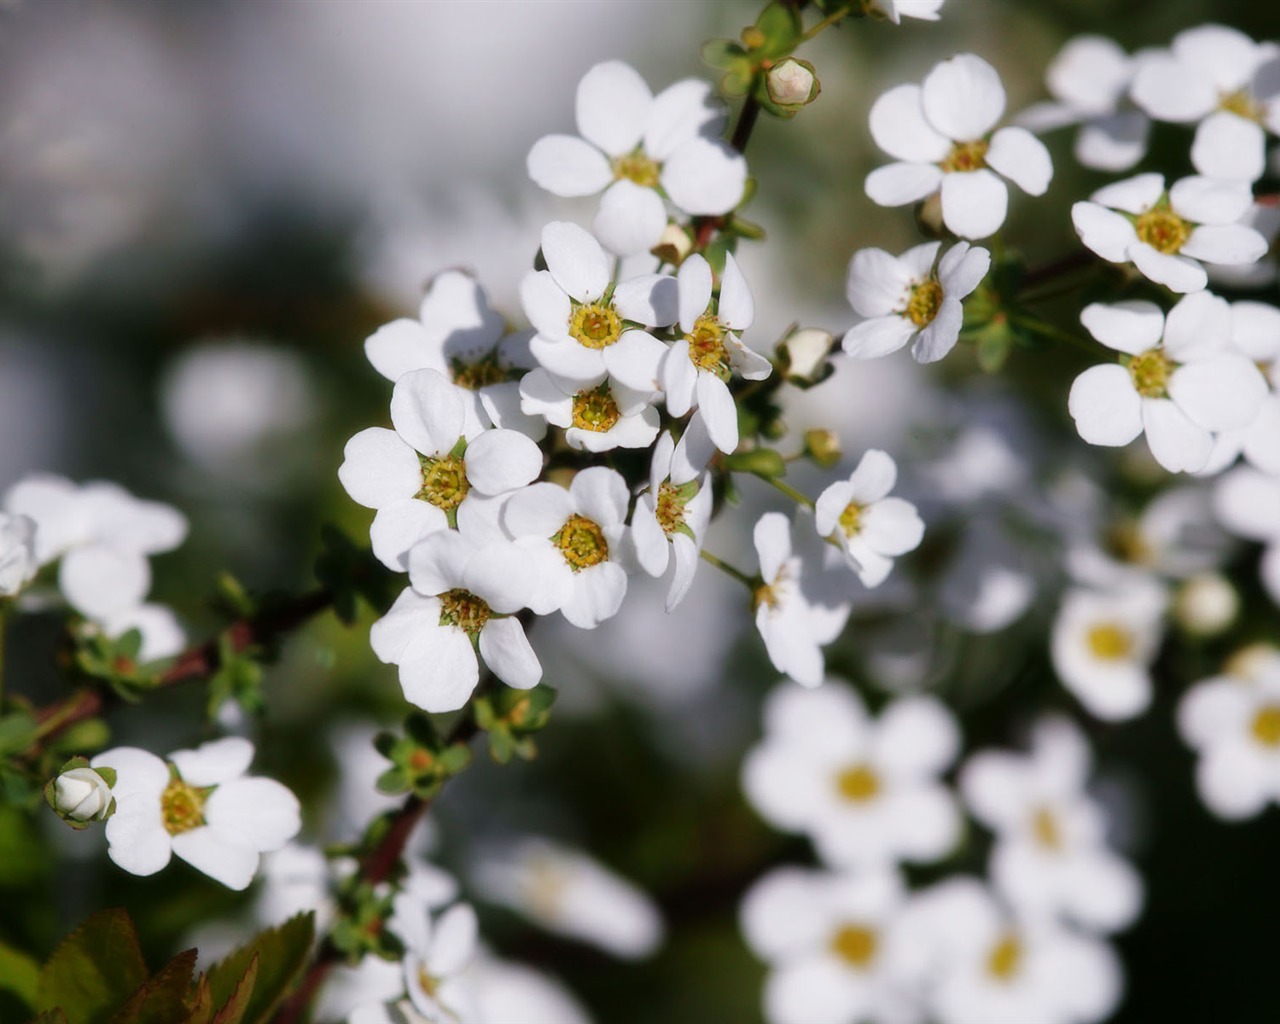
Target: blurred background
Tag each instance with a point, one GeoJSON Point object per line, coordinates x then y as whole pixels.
{"type": "Point", "coordinates": [206, 208]}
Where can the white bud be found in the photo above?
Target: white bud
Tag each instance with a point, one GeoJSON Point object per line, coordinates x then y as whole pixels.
{"type": "Point", "coordinates": [17, 553]}
{"type": "Point", "coordinates": [1249, 663]}
{"type": "Point", "coordinates": [792, 83]}
{"type": "Point", "coordinates": [1206, 604]}
{"type": "Point", "coordinates": [82, 794]}
{"type": "Point", "coordinates": [807, 350]}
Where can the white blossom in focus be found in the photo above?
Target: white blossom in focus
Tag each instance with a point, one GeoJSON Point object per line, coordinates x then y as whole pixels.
{"type": "Point", "coordinates": [595, 418]}
{"type": "Point", "coordinates": [941, 134]}
{"type": "Point", "coordinates": [871, 527]}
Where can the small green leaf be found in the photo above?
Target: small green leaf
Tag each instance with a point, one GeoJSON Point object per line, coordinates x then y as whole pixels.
{"type": "Point", "coordinates": [161, 999]}
{"type": "Point", "coordinates": [763, 462]}
{"type": "Point", "coordinates": [501, 744]}
{"type": "Point", "coordinates": [280, 954]}
{"type": "Point", "coordinates": [19, 974]}
{"type": "Point", "coordinates": [94, 969]}
{"type": "Point", "coordinates": [233, 1011]}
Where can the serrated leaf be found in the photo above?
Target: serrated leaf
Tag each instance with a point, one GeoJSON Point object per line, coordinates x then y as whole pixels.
{"type": "Point", "coordinates": [280, 952]}
{"type": "Point", "coordinates": [199, 1005]}
{"type": "Point", "coordinates": [19, 974]}
{"type": "Point", "coordinates": [161, 999]}
{"type": "Point", "coordinates": [233, 1011]}
{"type": "Point", "coordinates": [54, 1016]}
{"type": "Point", "coordinates": [94, 969]}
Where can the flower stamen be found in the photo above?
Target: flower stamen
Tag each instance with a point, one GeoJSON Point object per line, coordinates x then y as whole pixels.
{"type": "Point", "coordinates": [1005, 958]}
{"type": "Point", "coordinates": [1150, 372]}
{"type": "Point", "coordinates": [594, 409]}
{"type": "Point", "coordinates": [706, 344]}
{"type": "Point", "coordinates": [1266, 726]}
{"type": "Point", "coordinates": [966, 156]}
{"type": "Point", "coordinates": [1162, 229]}
{"type": "Point", "coordinates": [444, 481]}
{"type": "Point", "coordinates": [595, 325]}
{"type": "Point", "coordinates": [858, 783]}
{"type": "Point", "coordinates": [1109, 642]}
{"type": "Point", "coordinates": [582, 543]}
{"type": "Point", "coordinates": [638, 167]}
{"type": "Point", "coordinates": [181, 807]}
{"type": "Point", "coordinates": [855, 945]}
{"type": "Point", "coordinates": [463, 609]}
{"type": "Point", "coordinates": [923, 303]}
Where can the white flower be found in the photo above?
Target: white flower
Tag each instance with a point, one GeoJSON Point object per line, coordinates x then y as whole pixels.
{"type": "Point", "coordinates": [18, 565]}
{"type": "Point", "coordinates": [82, 794]}
{"type": "Point", "coordinates": [1255, 334]}
{"type": "Point", "coordinates": [1089, 80]}
{"type": "Point", "coordinates": [1103, 645]}
{"type": "Point", "coordinates": [1206, 605]}
{"type": "Point", "coordinates": [504, 991]}
{"type": "Point", "coordinates": [696, 370]}
{"type": "Point", "coordinates": [801, 605]}
{"type": "Point", "coordinates": [1230, 85]}
{"type": "Point", "coordinates": [583, 322]}
{"type": "Point", "coordinates": [941, 134]}
{"type": "Point", "coordinates": [991, 968]}
{"type": "Point", "coordinates": [1178, 384]}
{"type": "Point", "coordinates": [671, 517]}
{"type": "Point", "coordinates": [1168, 235]}
{"type": "Point", "coordinates": [462, 599]}
{"type": "Point", "coordinates": [569, 893]}
{"type": "Point", "coordinates": [633, 144]}
{"type": "Point", "coordinates": [429, 472]}
{"type": "Point", "coordinates": [199, 805]}
{"type": "Point", "coordinates": [1264, 218]}
{"type": "Point", "coordinates": [462, 338]}
{"type": "Point", "coordinates": [833, 944]}
{"type": "Point", "coordinates": [905, 299]}
{"type": "Point", "coordinates": [436, 956]}
{"type": "Point", "coordinates": [866, 792]}
{"type": "Point", "coordinates": [896, 10]}
{"type": "Point", "coordinates": [1050, 857]}
{"type": "Point", "coordinates": [578, 534]}
{"type": "Point", "coordinates": [1247, 502]}
{"type": "Point", "coordinates": [1235, 727]}
{"type": "Point", "coordinates": [870, 527]}
{"type": "Point", "coordinates": [595, 418]}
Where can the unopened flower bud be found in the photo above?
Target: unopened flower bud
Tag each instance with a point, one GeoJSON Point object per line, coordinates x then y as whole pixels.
{"type": "Point", "coordinates": [1206, 604]}
{"type": "Point", "coordinates": [673, 245]}
{"type": "Point", "coordinates": [823, 446]}
{"type": "Point", "coordinates": [792, 83]}
{"type": "Point", "coordinates": [806, 351]}
{"type": "Point", "coordinates": [1249, 662]}
{"type": "Point", "coordinates": [17, 553]}
{"type": "Point", "coordinates": [81, 794]}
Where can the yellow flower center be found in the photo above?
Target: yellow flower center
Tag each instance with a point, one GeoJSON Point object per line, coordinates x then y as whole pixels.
{"type": "Point", "coordinates": [463, 609]}
{"type": "Point", "coordinates": [444, 481]}
{"type": "Point", "coordinates": [1150, 372]}
{"type": "Point", "coordinates": [426, 982]}
{"type": "Point", "coordinates": [851, 519]}
{"type": "Point", "coordinates": [181, 807]}
{"type": "Point", "coordinates": [479, 373]}
{"type": "Point", "coordinates": [967, 156]}
{"type": "Point", "coordinates": [1162, 229]}
{"type": "Point", "coordinates": [1044, 826]}
{"type": "Point", "coordinates": [595, 325]}
{"type": "Point", "coordinates": [1126, 542]}
{"type": "Point", "coordinates": [1266, 726]}
{"type": "Point", "coordinates": [1109, 641]}
{"type": "Point", "coordinates": [1005, 958]}
{"type": "Point", "coordinates": [594, 409]}
{"type": "Point", "coordinates": [854, 944]}
{"type": "Point", "coordinates": [582, 543]}
{"type": "Point", "coordinates": [706, 344]}
{"type": "Point", "coordinates": [670, 507]}
{"type": "Point", "coordinates": [1242, 104]}
{"type": "Point", "coordinates": [858, 783]}
{"type": "Point", "coordinates": [924, 302]}
{"type": "Point", "coordinates": [637, 167]}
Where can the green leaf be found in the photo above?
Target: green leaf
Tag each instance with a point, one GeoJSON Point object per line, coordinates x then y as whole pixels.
{"type": "Point", "coordinates": [94, 969]}
{"type": "Point", "coordinates": [501, 745]}
{"type": "Point", "coordinates": [763, 462]}
{"type": "Point", "coordinates": [234, 1009]}
{"type": "Point", "coordinates": [23, 855]}
{"type": "Point", "coordinates": [19, 974]}
{"type": "Point", "coordinates": [162, 998]}
{"type": "Point", "coordinates": [199, 1005]}
{"type": "Point", "coordinates": [54, 1016]}
{"type": "Point", "coordinates": [280, 954]}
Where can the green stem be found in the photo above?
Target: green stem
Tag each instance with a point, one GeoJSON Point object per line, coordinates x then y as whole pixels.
{"type": "Point", "coordinates": [826, 23]}
{"type": "Point", "coordinates": [728, 569]}
{"type": "Point", "coordinates": [788, 490]}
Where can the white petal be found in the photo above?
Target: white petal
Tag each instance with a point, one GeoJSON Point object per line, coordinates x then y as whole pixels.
{"type": "Point", "coordinates": [635, 360]}
{"type": "Point", "coordinates": [537, 511]}
{"type": "Point", "coordinates": [1106, 406]}
{"type": "Point", "coordinates": [1133, 195]}
{"type": "Point", "coordinates": [737, 309]}
{"type": "Point", "coordinates": [1089, 73]}
{"type": "Point", "coordinates": [1232, 781]}
{"type": "Point", "coordinates": [567, 166]}
{"type": "Point", "coordinates": [1113, 143]}
{"type": "Point", "coordinates": [427, 411]}
{"type": "Point", "coordinates": [139, 773]}
{"type": "Point", "coordinates": [1221, 393]}
{"type": "Point", "coordinates": [546, 305]}
{"type": "Point", "coordinates": [974, 203]}
{"type": "Point", "coordinates": [715, 401]}
{"type": "Point", "coordinates": [694, 279]}
{"type": "Point", "coordinates": [399, 347]}
{"type": "Point", "coordinates": [507, 652]}
{"type": "Point", "coordinates": [678, 113]}
{"type": "Point", "coordinates": [650, 299]}
{"type": "Point", "coordinates": [1177, 443]}
{"type": "Point", "coordinates": [214, 762]}
{"type": "Point", "coordinates": [399, 526]}
{"type": "Point", "coordinates": [899, 127]}
{"type": "Point", "coordinates": [873, 478]}
{"type": "Point", "coordinates": [916, 737]}
{"type": "Point", "coordinates": [831, 504]}
{"type": "Point", "coordinates": [230, 863]}
{"type": "Point", "coordinates": [138, 840]}
{"type": "Point", "coordinates": [453, 941]}
{"type": "Point", "coordinates": [772, 538]}
{"type": "Point", "coordinates": [878, 337]}
{"type": "Point", "coordinates": [258, 813]}
{"type": "Point", "coordinates": [631, 218]}
{"type": "Point", "coordinates": [575, 260]}
{"type": "Point", "coordinates": [902, 183]}
{"type": "Point", "coordinates": [100, 581]}
{"type": "Point", "coordinates": [1210, 200]}
{"type": "Point", "coordinates": [1104, 231]}
{"type": "Point", "coordinates": [892, 527]}
{"type": "Point", "coordinates": [1229, 244]}
{"type": "Point", "coordinates": [1177, 273]}
{"type": "Point", "coordinates": [404, 620]}
{"type": "Point", "coordinates": [1165, 89]}
{"type": "Point", "coordinates": [575, 365]}
{"type": "Point", "coordinates": [1022, 158]}
{"type": "Point", "coordinates": [962, 269]}
{"type": "Point", "coordinates": [502, 460]}
{"type": "Point", "coordinates": [596, 595]}
{"type": "Point", "coordinates": [600, 494]}
{"type": "Point", "coordinates": [939, 338]}
{"type": "Point", "coordinates": [1212, 711]}
{"type": "Point", "coordinates": [963, 97]}
{"type": "Point", "coordinates": [1225, 55]}
{"type": "Point", "coordinates": [926, 820]}
{"type": "Point", "coordinates": [878, 283]}
{"type": "Point", "coordinates": [705, 177]}
{"type": "Point", "coordinates": [613, 103]}
{"type": "Point", "coordinates": [1228, 146]}
{"type": "Point", "coordinates": [438, 669]}
{"type": "Point", "coordinates": [438, 563]}
{"type": "Point", "coordinates": [1132, 326]}
{"type": "Point", "coordinates": [684, 554]}
{"type": "Point", "coordinates": [379, 468]}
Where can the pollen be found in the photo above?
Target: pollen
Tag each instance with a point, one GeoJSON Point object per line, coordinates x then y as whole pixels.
{"type": "Point", "coordinates": [1044, 826]}
{"type": "Point", "coordinates": [463, 609]}
{"type": "Point", "coordinates": [706, 344]}
{"type": "Point", "coordinates": [582, 543]}
{"type": "Point", "coordinates": [670, 507]}
{"type": "Point", "coordinates": [477, 373]}
{"type": "Point", "coordinates": [966, 156]}
{"type": "Point", "coordinates": [858, 783]}
{"type": "Point", "coordinates": [444, 481]}
{"type": "Point", "coordinates": [1242, 104]}
{"type": "Point", "coordinates": [851, 519]}
{"type": "Point", "coordinates": [594, 409]}
{"type": "Point", "coordinates": [1162, 229]}
{"type": "Point", "coordinates": [1150, 372]}
{"type": "Point", "coordinates": [637, 167]}
{"type": "Point", "coordinates": [427, 982]}
{"type": "Point", "coordinates": [924, 302]}
{"type": "Point", "coordinates": [855, 945]}
{"type": "Point", "coordinates": [1266, 726]}
{"type": "Point", "coordinates": [1005, 958]}
{"type": "Point", "coordinates": [1109, 642]}
{"type": "Point", "coordinates": [181, 807]}
{"type": "Point", "coordinates": [595, 325]}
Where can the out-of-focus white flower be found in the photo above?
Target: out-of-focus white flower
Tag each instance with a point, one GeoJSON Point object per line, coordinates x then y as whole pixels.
{"type": "Point", "coordinates": [1206, 604]}
{"type": "Point", "coordinates": [162, 634]}
{"type": "Point", "coordinates": [578, 534]}
{"type": "Point", "coordinates": [436, 957]}
{"type": "Point", "coordinates": [1169, 235]}
{"type": "Point", "coordinates": [906, 299]}
{"type": "Point", "coordinates": [1220, 78]}
{"type": "Point", "coordinates": [866, 792]}
{"type": "Point", "coordinates": [941, 134]}
{"type": "Point", "coordinates": [696, 370]}
{"type": "Point", "coordinates": [801, 604]}
{"type": "Point", "coordinates": [1103, 645]}
{"type": "Point", "coordinates": [1247, 502]}
{"type": "Point", "coordinates": [420, 477]}
{"type": "Point", "coordinates": [833, 943]}
{"type": "Point", "coordinates": [1089, 80]}
{"type": "Point", "coordinates": [1263, 216]}
{"type": "Point", "coordinates": [458, 608]}
{"type": "Point", "coordinates": [1235, 727]}
{"type": "Point", "coordinates": [504, 991]}
{"type": "Point", "coordinates": [18, 565]}
{"type": "Point", "coordinates": [1177, 381]}
{"type": "Point", "coordinates": [871, 528]}
{"type": "Point", "coordinates": [988, 966]}
{"type": "Point", "coordinates": [896, 10]}
{"type": "Point", "coordinates": [987, 587]}
{"type": "Point", "coordinates": [199, 805]}
{"type": "Point", "coordinates": [1050, 858]}
{"type": "Point", "coordinates": [633, 144]}
{"type": "Point", "coordinates": [82, 794]}
{"type": "Point", "coordinates": [295, 879]}
{"type": "Point", "coordinates": [595, 418]}
{"type": "Point", "coordinates": [569, 893]}
{"type": "Point", "coordinates": [1255, 335]}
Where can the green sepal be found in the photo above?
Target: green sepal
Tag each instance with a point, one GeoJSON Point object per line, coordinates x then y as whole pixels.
{"type": "Point", "coordinates": [420, 760]}
{"type": "Point", "coordinates": [359, 929]}
{"type": "Point", "coordinates": [763, 462]}
{"type": "Point", "coordinates": [239, 678]}
{"type": "Point", "coordinates": [780, 31]}
{"type": "Point", "coordinates": [510, 717]}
